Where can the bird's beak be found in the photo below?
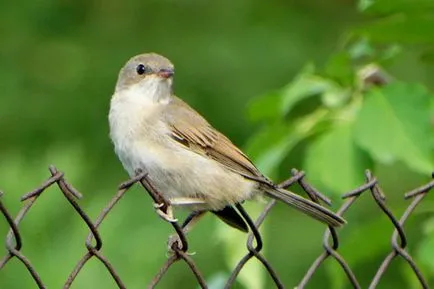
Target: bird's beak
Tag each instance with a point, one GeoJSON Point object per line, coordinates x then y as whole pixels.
{"type": "Point", "coordinates": [166, 73]}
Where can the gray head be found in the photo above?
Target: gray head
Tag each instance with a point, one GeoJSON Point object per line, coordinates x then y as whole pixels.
{"type": "Point", "coordinates": [145, 68]}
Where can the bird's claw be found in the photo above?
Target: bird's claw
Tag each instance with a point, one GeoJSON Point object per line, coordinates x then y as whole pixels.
{"type": "Point", "coordinates": [173, 241]}
{"type": "Point", "coordinates": [168, 215]}
{"type": "Point", "coordinates": [158, 205]}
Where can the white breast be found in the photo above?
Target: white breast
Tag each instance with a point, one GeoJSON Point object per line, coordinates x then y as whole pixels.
{"type": "Point", "coordinates": [134, 124]}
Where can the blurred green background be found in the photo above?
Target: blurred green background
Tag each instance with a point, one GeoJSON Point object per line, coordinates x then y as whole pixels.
{"type": "Point", "coordinates": [285, 80]}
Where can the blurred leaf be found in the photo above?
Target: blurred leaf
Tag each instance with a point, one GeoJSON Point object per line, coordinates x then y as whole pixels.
{"type": "Point", "coordinates": [428, 226]}
{"type": "Point", "coordinates": [428, 56]}
{"type": "Point", "coordinates": [253, 274]}
{"type": "Point", "coordinates": [271, 145]}
{"type": "Point", "coordinates": [396, 6]}
{"type": "Point", "coordinates": [336, 97]}
{"type": "Point", "coordinates": [268, 147]}
{"type": "Point", "coordinates": [410, 279]}
{"type": "Point", "coordinates": [305, 85]}
{"type": "Point", "coordinates": [393, 124]}
{"type": "Point", "coordinates": [415, 29]}
{"type": "Point", "coordinates": [425, 252]}
{"type": "Point", "coordinates": [339, 67]}
{"type": "Point", "coordinates": [337, 279]}
{"type": "Point", "coordinates": [265, 107]}
{"type": "Point", "coordinates": [335, 161]}
{"type": "Point", "coordinates": [390, 52]}
{"type": "Point", "coordinates": [377, 244]}
{"type": "Point", "coordinates": [217, 281]}
{"type": "Point", "coordinates": [361, 48]}
{"type": "Point", "coordinates": [365, 4]}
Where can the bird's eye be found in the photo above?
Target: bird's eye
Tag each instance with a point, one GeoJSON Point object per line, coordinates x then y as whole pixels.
{"type": "Point", "coordinates": [142, 69]}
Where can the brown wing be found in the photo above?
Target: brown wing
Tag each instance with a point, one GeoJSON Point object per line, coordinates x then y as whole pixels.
{"type": "Point", "coordinates": [195, 133]}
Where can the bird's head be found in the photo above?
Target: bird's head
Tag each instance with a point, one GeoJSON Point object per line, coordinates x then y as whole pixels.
{"type": "Point", "coordinates": [150, 73]}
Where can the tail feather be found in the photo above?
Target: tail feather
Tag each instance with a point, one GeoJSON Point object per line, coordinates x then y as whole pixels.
{"type": "Point", "coordinates": [306, 206]}
{"type": "Point", "coordinates": [232, 218]}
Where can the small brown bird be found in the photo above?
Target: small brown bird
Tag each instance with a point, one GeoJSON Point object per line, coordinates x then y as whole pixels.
{"type": "Point", "coordinates": [189, 162]}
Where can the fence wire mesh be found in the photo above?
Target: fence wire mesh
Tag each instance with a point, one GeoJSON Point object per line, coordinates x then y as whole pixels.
{"type": "Point", "coordinates": [254, 244]}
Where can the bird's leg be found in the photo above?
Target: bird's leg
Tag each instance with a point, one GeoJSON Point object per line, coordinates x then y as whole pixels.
{"type": "Point", "coordinates": [191, 220]}
{"type": "Point", "coordinates": [180, 201]}
{"type": "Point", "coordinates": [168, 214]}
{"type": "Point", "coordinates": [188, 224]}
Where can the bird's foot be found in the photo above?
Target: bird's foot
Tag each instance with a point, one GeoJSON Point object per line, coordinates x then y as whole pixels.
{"type": "Point", "coordinates": [165, 215]}
{"type": "Point", "coordinates": [174, 244]}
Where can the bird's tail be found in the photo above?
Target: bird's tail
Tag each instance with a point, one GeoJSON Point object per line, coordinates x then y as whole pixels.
{"type": "Point", "coordinates": [305, 206]}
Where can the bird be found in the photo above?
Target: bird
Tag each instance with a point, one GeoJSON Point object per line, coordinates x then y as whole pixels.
{"type": "Point", "coordinates": [188, 161]}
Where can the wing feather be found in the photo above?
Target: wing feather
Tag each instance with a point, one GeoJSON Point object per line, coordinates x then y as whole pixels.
{"type": "Point", "coordinates": [194, 132]}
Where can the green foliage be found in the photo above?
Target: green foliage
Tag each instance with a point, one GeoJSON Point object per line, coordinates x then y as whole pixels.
{"type": "Point", "coordinates": [425, 251]}
{"type": "Point", "coordinates": [368, 119]}
{"type": "Point", "coordinates": [331, 88]}
{"type": "Point", "coordinates": [394, 124]}
{"type": "Point", "coordinates": [367, 123]}
{"type": "Point", "coordinates": [335, 160]}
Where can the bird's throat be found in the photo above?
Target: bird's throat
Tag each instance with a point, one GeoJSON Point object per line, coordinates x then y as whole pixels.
{"type": "Point", "coordinates": [154, 89]}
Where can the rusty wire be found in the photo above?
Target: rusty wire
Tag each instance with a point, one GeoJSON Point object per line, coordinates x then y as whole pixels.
{"type": "Point", "coordinates": [179, 248]}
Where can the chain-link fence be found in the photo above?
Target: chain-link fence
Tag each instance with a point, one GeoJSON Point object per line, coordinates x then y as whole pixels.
{"type": "Point", "coordinates": [254, 244]}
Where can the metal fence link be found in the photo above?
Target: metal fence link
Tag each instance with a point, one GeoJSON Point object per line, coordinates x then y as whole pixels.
{"type": "Point", "coordinates": [179, 248]}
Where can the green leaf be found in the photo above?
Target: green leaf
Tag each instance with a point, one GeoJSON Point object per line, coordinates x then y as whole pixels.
{"type": "Point", "coordinates": [393, 125]}
{"type": "Point", "coordinates": [304, 86]}
{"type": "Point", "coordinates": [274, 105]}
{"type": "Point", "coordinates": [335, 162]}
{"type": "Point", "coordinates": [363, 5]}
{"type": "Point", "coordinates": [396, 6]}
{"type": "Point", "coordinates": [271, 145]}
{"type": "Point", "coordinates": [268, 147]}
{"type": "Point", "coordinates": [416, 29]}
{"type": "Point", "coordinates": [266, 107]}
{"type": "Point", "coordinates": [425, 252]}
{"type": "Point", "coordinates": [336, 97]}
{"type": "Point", "coordinates": [377, 230]}
{"type": "Point", "coordinates": [428, 56]}
{"type": "Point", "coordinates": [253, 274]}
{"type": "Point", "coordinates": [391, 52]}
{"type": "Point", "coordinates": [339, 67]}
{"type": "Point", "coordinates": [216, 281]}
{"type": "Point", "coordinates": [361, 48]}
